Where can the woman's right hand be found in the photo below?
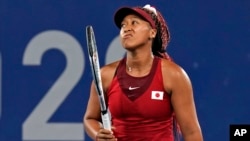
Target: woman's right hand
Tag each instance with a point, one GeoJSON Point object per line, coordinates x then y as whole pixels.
{"type": "Point", "coordinates": [105, 135]}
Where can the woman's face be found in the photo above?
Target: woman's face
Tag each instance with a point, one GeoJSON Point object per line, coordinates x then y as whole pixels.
{"type": "Point", "coordinates": [136, 32]}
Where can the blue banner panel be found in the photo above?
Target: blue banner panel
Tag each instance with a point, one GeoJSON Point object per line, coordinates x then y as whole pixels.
{"type": "Point", "coordinates": [45, 74]}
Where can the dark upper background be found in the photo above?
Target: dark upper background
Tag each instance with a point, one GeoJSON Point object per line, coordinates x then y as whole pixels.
{"type": "Point", "coordinates": [209, 39]}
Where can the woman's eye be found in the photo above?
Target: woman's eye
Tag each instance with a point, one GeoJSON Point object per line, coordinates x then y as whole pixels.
{"type": "Point", "coordinates": [122, 25]}
{"type": "Point", "coordinates": [134, 22]}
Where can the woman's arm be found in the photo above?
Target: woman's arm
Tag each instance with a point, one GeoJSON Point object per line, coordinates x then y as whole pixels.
{"type": "Point", "coordinates": [178, 84]}
{"type": "Point", "coordinates": [92, 117]}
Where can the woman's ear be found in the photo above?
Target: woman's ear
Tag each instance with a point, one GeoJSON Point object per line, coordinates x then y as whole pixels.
{"type": "Point", "coordinates": [153, 33]}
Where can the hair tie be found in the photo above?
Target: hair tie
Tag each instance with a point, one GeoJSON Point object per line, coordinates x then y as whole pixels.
{"type": "Point", "coordinates": [150, 8]}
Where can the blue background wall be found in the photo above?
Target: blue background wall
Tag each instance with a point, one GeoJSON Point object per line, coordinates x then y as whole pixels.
{"type": "Point", "coordinates": [45, 74]}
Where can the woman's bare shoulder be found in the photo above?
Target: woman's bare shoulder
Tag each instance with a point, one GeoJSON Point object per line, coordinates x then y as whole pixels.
{"type": "Point", "coordinates": [107, 74]}
{"type": "Point", "coordinates": [109, 68]}
{"type": "Point", "coordinates": [173, 74]}
{"type": "Point", "coordinates": [170, 67]}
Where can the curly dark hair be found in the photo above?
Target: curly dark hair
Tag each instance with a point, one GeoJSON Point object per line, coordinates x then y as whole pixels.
{"type": "Point", "coordinates": [162, 38]}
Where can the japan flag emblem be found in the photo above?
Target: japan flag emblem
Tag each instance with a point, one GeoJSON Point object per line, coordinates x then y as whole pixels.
{"type": "Point", "coordinates": [157, 95]}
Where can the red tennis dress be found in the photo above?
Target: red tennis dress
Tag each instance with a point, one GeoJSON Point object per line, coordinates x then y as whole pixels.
{"type": "Point", "coordinates": [139, 106]}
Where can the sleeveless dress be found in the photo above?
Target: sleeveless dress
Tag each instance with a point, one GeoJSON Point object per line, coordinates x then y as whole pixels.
{"type": "Point", "coordinates": [139, 106]}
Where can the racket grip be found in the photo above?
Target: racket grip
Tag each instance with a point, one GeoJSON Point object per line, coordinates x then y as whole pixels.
{"type": "Point", "coordinates": [106, 121]}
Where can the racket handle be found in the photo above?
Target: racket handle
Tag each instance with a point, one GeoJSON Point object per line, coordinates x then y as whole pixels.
{"type": "Point", "coordinates": [106, 121]}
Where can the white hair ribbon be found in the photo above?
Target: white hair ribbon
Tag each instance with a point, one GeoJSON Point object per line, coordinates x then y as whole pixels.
{"type": "Point", "coordinates": [150, 8]}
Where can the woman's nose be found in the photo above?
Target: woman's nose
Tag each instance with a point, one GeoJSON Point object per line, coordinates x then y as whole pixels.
{"type": "Point", "coordinates": [127, 29]}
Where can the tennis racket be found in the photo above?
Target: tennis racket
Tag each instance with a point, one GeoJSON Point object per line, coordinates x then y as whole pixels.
{"type": "Point", "coordinates": [95, 67]}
